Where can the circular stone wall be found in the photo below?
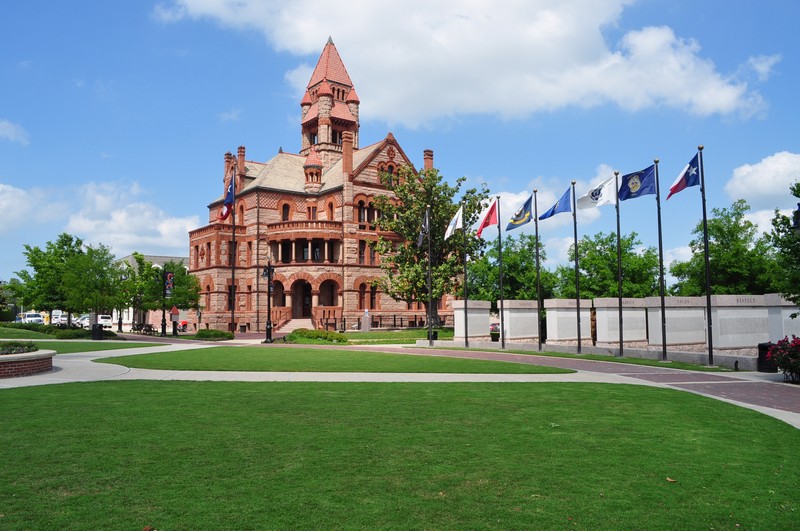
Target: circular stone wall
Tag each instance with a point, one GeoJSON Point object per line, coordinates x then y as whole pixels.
{"type": "Point", "coordinates": [14, 365]}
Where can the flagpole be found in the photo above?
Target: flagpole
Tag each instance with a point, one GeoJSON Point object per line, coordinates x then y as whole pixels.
{"type": "Point", "coordinates": [500, 254]}
{"type": "Point", "coordinates": [466, 287]}
{"type": "Point", "coordinates": [661, 283]}
{"type": "Point", "coordinates": [577, 275]}
{"type": "Point", "coordinates": [232, 291]}
{"type": "Point", "coordinates": [619, 266]}
{"type": "Point", "coordinates": [430, 294]}
{"type": "Point", "coordinates": [705, 246]}
{"type": "Point", "coordinates": [538, 278]}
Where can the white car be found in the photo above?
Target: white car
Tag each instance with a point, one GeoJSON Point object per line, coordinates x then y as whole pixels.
{"type": "Point", "coordinates": [105, 321]}
{"type": "Point", "coordinates": [32, 317]}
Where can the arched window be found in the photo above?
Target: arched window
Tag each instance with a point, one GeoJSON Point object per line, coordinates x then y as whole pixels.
{"type": "Point", "coordinates": [362, 212]}
{"type": "Point", "coordinates": [373, 297]}
{"type": "Point", "coordinates": [330, 211]}
{"type": "Point", "coordinates": [362, 292]}
{"type": "Point", "coordinates": [285, 213]}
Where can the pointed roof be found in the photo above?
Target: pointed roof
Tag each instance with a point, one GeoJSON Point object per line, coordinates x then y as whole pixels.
{"type": "Point", "coordinates": [352, 97]}
{"type": "Point", "coordinates": [313, 160]}
{"type": "Point", "coordinates": [306, 99]}
{"type": "Point", "coordinates": [330, 67]}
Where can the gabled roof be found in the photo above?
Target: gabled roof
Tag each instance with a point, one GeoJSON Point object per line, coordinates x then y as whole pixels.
{"type": "Point", "coordinates": [330, 67]}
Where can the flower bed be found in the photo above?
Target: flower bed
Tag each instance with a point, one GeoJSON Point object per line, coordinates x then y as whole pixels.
{"type": "Point", "coordinates": [786, 355]}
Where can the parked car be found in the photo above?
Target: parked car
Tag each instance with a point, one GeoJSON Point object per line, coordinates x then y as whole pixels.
{"type": "Point", "coordinates": [105, 321]}
{"type": "Point", "coordinates": [83, 321]}
{"type": "Point", "coordinates": [494, 328]}
{"type": "Point", "coordinates": [32, 317]}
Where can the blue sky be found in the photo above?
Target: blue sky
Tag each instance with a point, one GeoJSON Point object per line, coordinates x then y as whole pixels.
{"type": "Point", "coordinates": [115, 116]}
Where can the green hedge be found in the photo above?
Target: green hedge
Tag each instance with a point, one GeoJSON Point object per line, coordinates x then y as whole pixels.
{"type": "Point", "coordinates": [213, 335]}
{"type": "Point", "coordinates": [304, 335]}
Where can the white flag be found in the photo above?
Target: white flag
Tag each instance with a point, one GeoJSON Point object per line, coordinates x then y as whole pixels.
{"type": "Point", "coordinates": [455, 223]}
{"type": "Point", "coordinates": [602, 194]}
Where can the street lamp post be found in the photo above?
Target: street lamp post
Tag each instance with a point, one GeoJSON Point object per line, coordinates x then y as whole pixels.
{"type": "Point", "coordinates": [122, 277]}
{"type": "Point", "coordinates": [267, 275]}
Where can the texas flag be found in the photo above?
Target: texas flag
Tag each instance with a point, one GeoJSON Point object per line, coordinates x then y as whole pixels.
{"type": "Point", "coordinates": [490, 218]}
{"type": "Point", "coordinates": [690, 176]}
{"type": "Point", "coordinates": [227, 205]}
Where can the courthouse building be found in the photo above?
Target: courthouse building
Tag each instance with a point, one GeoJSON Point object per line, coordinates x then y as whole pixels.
{"type": "Point", "coordinates": [311, 215]}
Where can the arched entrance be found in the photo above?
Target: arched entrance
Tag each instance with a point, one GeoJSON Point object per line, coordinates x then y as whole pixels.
{"type": "Point", "coordinates": [301, 300]}
{"type": "Point", "coordinates": [329, 293]}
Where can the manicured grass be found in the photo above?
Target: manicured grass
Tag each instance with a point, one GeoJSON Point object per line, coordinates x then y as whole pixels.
{"type": "Point", "coordinates": [72, 346]}
{"type": "Point", "coordinates": [206, 455]}
{"type": "Point", "coordinates": [407, 336]}
{"type": "Point", "coordinates": [21, 333]}
{"type": "Point", "coordinates": [611, 359]}
{"type": "Point", "coordinates": [299, 359]}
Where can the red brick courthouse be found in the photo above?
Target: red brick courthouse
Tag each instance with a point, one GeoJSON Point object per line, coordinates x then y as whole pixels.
{"type": "Point", "coordinates": [311, 215]}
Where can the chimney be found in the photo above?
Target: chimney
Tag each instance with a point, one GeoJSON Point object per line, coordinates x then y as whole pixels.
{"type": "Point", "coordinates": [347, 152]}
{"type": "Point", "coordinates": [240, 162]}
{"type": "Point", "coordinates": [428, 156]}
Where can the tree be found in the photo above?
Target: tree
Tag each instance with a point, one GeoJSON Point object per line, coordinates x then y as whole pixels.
{"type": "Point", "coordinates": [45, 289]}
{"type": "Point", "coordinates": [519, 272]}
{"type": "Point", "coordinates": [740, 261]}
{"type": "Point", "coordinates": [91, 280]}
{"type": "Point", "coordinates": [403, 263]}
{"type": "Point", "coordinates": [787, 258]}
{"type": "Point", "coordinates": [145, 286]}
{"type": "Point", "coordinates": [598, 268]}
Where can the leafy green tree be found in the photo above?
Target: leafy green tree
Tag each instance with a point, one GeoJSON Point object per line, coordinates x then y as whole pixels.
{"type": "Point", "coordinates": [740, 261]}
{"type": "Point", "coordinates": [519, 272]}
{"type": "Point", "coordinates": [91, 280]}
{"type": "Point", "coordinates": [598, 268]}
{"type": "Point", "coordinates": [145, 286]}
{"type": "Point", "coordinates": [403, 263]}
{"type": "Point", "coordinates": [45, 288]}
{"type": "Point", "coordinates": [787, 258]}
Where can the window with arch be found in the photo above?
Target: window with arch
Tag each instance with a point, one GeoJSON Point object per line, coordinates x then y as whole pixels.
{"type": "Point", "coordinates": [285, 212]}
{"type": "Point", "coordinates": [362, 293]}
{"type": "Point", "coordinates": [362, 213]}
{"type": "Point", "coordinates": [330, 211]}
{"type": "Point", "coordinates": [373, 297]}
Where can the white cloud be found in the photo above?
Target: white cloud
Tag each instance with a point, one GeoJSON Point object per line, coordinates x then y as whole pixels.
{"type": "Point", "coordinates": [111, 215]}
{"type": "Point", "coordinates": [765, 185]}
{"type": "Point", "coordinates": [13, 132]}
{"type": "Point", "coordinates": [472, 57]}
{"type": "Point", "coordinates": [232, 115]}
{"type": "Point", "coordinates": [762, 65]}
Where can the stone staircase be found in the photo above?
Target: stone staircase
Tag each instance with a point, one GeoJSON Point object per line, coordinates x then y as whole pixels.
{"type": "Point", "coordinates": [294, 324]}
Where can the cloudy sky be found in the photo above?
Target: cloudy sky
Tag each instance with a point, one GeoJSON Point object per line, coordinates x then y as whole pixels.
{"type": "Point", "coordinates": [115, 116]}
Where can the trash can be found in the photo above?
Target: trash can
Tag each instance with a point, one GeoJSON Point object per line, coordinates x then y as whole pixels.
{"type": "Point", "coordinates": [97, 331]}
{"type": "Point", "coordinates": [763, 364]}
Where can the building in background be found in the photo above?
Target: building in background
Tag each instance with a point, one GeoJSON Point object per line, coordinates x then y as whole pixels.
{"type": "Point", "coordinates": [311, 215]}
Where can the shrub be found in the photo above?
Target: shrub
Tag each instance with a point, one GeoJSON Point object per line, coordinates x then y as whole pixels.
{"type": "Point", "coordinates": [304, 335]}
{"type": "Point", "coordinates": [73, 333]}
{"type": "Point", "coordinates": [213, 335]}
{"type": "Point", "coordinates": [17, 347]}
{"type": "Point", "coordinates": [786, 355]}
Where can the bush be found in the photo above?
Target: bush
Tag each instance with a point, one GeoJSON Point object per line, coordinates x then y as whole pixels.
{"type": "Point", "coordinates": [213, 335]}
{"type": "Point", "coordinates": [17, 347]}
{"type": "Point", "coordinates": [304, 335]}
{"type": "Point", "coordinates": [786, 355]}
{"type": "Point", "coordinates": [73, 333]}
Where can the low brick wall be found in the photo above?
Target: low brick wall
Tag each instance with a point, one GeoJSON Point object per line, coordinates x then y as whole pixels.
{"type": "Point", "coordinates": [15, 365]}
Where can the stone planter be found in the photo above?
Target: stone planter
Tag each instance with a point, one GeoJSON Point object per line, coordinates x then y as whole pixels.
{"type": "Point", "coordinates": [25, 364]}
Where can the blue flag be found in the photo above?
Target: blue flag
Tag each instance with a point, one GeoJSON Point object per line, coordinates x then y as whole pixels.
{"type": "Point", "coordinates": [521, 216]}
{"type": "Point", "coordinates": [638, 183]}
{"type": "Point", "coordinates": [562, 205]}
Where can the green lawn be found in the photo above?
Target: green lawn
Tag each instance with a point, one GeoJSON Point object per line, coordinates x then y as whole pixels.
{"type": "Point", "coordinates": [299, 359]}
{"type": "Point", "coordinates": [21, 333]}
{"type": "Point", "coordinates": [72, 345]}
{"type": "Point", "coordinates": [211, 455]}
{"type": "Point", "coordinates": [406, 336]}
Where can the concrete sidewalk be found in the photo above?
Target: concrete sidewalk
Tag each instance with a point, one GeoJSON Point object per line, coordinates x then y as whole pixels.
{"type": "Point", "coordinates": [762, 392]}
